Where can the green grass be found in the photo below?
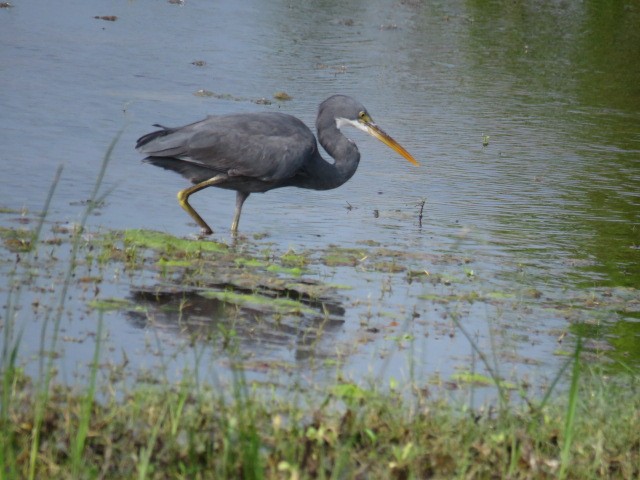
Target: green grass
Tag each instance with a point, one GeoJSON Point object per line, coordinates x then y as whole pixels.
{"type": "Point", "coordinates": [281, 305]}
{"type": "Point", "coordinates": [181, 431]}
{"type": "Point", "coordinates": [570, 416]}
{"type": "Point", "coordinates": [78, 439]}
{"type": "Point", "coordinates": [168, 243]}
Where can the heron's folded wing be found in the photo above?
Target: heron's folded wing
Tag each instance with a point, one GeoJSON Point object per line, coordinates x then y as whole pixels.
{"type": "Point", "coordinates": [267, 146]}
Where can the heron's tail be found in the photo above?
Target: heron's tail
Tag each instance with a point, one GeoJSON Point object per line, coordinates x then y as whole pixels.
{"type": "Point", "coordinates": [153, 135]}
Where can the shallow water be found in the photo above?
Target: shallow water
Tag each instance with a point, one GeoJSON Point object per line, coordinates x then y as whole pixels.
{"type": "Point", "coordinates": [551, 203]}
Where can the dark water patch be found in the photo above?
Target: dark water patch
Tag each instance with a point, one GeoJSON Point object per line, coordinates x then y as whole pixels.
{"type": "Point", "coordinates": [225, 320]}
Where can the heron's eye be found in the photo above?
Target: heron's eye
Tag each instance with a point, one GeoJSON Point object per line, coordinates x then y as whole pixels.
{"type": "Point", "coordinates": [362, 114]}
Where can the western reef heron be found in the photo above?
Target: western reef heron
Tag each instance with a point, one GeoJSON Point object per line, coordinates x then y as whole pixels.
{"type": "Point", "coordinates": [257, 152]}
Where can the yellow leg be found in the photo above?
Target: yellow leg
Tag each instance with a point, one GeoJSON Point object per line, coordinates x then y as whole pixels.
{"type": "Point", "coordinates": [240, 198]}
{"type": "Point", "coordinates": [183, 200]}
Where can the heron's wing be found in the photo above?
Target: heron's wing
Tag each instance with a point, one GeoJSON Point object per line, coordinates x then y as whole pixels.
{"type": "Point", "coordinates": [270, 147]}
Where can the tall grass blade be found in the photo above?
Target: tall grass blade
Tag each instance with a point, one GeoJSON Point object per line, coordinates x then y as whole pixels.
{"type": "Point", "coordinates": [47, 204]}
{"type": "Point", "coordinates": [11, 340]}
{"type": "Point", "coordinates": [249, 440]}
{"type": "Point", "coordinates": [42, 396]}
{"type": "Point", "coordinates": [565, 456]}
{"type": "Point", "coordinates": [145, 453]}
{"type": "Point", "coordinates": [502, 394]}
{"type": "Point", "coordinates": [78, 442]}
{"type": "Point", "coordinates": [10, 344]}
{"type": "Point", "coordinates": [556, 380]}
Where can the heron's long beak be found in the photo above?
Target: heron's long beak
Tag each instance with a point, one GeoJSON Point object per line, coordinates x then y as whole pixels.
{"type": "Point", "coordinates": [366, 124]}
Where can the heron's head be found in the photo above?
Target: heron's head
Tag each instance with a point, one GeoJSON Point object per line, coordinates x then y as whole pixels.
{"type": "Point", "coordinates": [345, 110]}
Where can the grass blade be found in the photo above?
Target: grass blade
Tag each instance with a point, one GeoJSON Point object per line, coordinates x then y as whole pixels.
{"type": "Point", "coordinates": [565, 455]}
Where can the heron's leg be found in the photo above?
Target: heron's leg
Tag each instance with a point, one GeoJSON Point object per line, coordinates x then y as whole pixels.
{"type": "Point", "coordinates": [183, 200]}
{"type": "Point", "coordinates": [240, 198]}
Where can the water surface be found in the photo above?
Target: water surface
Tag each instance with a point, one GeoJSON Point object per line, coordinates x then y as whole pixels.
{"type": "Point", "coordinates": [525, 117]}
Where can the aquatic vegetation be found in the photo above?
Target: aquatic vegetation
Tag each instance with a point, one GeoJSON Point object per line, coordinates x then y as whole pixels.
{"type": "Point", "coordinates": [165, 243]}
{"type": "Point", "coordinates": [478, 379]}
{"type": "Point", "coordinates": [338, 256]}
{"type": "Point", "coordinates": [107, 304]}
{"type": "Point", "coordinates": [279, 305]}
{"type": "Point", "coordinates": [16, 240]}
{"type": "Point", "coordinates": [292, 259]}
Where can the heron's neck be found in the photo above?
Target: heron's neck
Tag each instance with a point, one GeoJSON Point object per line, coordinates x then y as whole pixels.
{"type": "Point", "coordinates": [324, 175]}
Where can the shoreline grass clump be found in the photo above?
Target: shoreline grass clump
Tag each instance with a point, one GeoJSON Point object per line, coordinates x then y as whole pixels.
{"type": "Point", "coordinates": [344, 431]}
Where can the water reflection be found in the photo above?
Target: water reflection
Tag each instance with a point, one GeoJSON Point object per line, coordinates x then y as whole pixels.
{"type": "Point", "coordinates": [203, 318]}
{"type": "Point", "coordinates": [566, 75]}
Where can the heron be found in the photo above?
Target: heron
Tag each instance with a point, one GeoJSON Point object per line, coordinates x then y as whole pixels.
{"type": "Point", "coordinates": [257, 152]}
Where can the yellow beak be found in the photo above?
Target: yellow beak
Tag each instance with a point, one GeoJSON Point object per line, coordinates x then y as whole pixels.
{"type": "Point", "coordinates": [372, 129]}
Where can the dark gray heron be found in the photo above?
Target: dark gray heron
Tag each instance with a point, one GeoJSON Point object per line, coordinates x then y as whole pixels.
{"type": "Point", "coordinates": [257, 152]}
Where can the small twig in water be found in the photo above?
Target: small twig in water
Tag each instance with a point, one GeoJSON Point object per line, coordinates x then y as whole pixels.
{"type": "Point", "coordinates": [420, 212]}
